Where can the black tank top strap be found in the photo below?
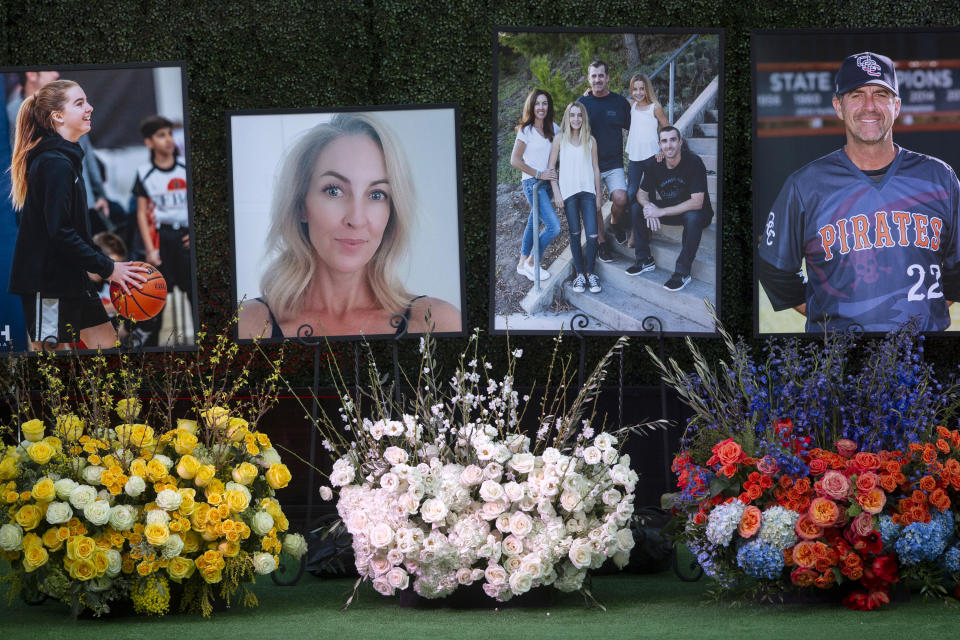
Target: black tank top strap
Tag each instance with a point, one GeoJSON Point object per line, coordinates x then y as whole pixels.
{"type": "Point", "coordinates": [275, 330]}
{"type": "Point", "coordinates": [406, 314]}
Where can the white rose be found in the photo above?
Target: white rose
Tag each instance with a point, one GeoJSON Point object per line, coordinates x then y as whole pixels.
{"type": "Point", "coordinates": [390, 481]}
{"type": "Point", "coordinates": [395, 455]}
{"type": "Point", "coordinates": [409, 503]}
{"type": "Point", "coordinates": [393, 428]}
{"type": "Point", "coordinates": [398, 578]}
{"type": "Point", "coordinates": [269, 457]}
{"type": "Point", "coordinates": [604, 441]}
{"type": "Point", "coordinates": [495, 574]}
{"type": "Point", "coordinates": [82, 495]}
{"type": "Point", "coordinates": [114, 563]}
{"type": "Point", "coordinates": [295, 545]}
{"type": "Point", "coordinates": [521, 524]}
{"type": "Point", "coordinates": [379, 565]}
{"type": "Point", "coordinates": [261, 523]}
{"type": "Point", "coordinates": [512, 564]}
{"type": "Point", "coordinates": [580, 554]}
{"type": "Point", "coordinates": [376, 429]}
{"type": "Point", "coordinates": [380, 535]}
{"type": "Point", "coordinates": [486, 450]}
{"type": "Point", "coordinates": [123, 517]}
{"type": "Point", "coordinates": [570, 500]}
{"type": "Point", "coordinates": [493, 471]}
{"type": "Point", "coordinates": [356, 522]}
{"type": "Point", "coordinates": [532, 564]}
{"type": "Point", "coordinates": [135, 486]}
{"type": "Point", "coordinates": [551, 455]}
{"type": "Point", "coordinates": [491, 510]}
{"type": "Point", "coordinates": [625, 539]}
{"type": "Point", "coordinates": [610, 456]}
{"type": "Point", "coordinates": [491, 491]}
{"type": "Point", "coordinates": [91, 474]}
{"type": "Point", "coordinates": [610, 497]}
{"type": "Point", "coordinates": [97, 512]}
{"type": "Point", "coordinates": [433, 510]}
{"type": "Point", "coordinates": [263, 563]}
{"type": "Point", "coordinates": [512, 545]}
{"type": "Point", "coordinates": [326, 493]}
{"type": "Point", "coordinates": [63, 487]}
{"type": "Point", "coordinates": [157, 516]}
{"type": "Point", "coordinates": [464, 576]}
{"type": "Point", "coordinates": [471, 475]}
{"type": "Point", "coordinates": [11, 537]}
{"type": "Point", "coordinates": [503, 523]}
{"type": "Point", "coordinates": [520, 582]}
{"type": "Point", "coordinates": [382, 586]}
{"type": "Point", "coordinates": [522, 462]}
{"type": "Point", "coordinates": [59, 512]}
{"type": "Point", "coordinates": [172, 547]}
{"type": "Point", "coordinates": [170, 500]}
{"type": "Point", "coordinates": [592, 455]}
{"type": "Point", "coordinates": [527, 503]}
{"type": "Point", "coordinates": [514, 491]}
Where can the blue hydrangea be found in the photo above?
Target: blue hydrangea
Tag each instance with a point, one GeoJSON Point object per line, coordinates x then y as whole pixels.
{"type": "Point", "coordinates": [777, 527]}
{"type": "Point", "coordinates": [951, 559]}
{"type": "Point", "coordinates": [723, 521]}
{"type": "Point", "coordinates": [924, 541]}
{"type": "Point", "coordinates": [889, 532]}
{"type": "Point", "coordinates": [760, 560]}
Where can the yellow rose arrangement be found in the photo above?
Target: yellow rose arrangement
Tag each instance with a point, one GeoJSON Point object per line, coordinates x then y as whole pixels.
{"type": "Point", "coordinates": [32, 430]}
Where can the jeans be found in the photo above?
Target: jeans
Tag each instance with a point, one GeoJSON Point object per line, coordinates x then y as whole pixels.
{"type": "Point", "coordinates": [582, 205]}
{"type": "Point", "coordinates": [693, 222]}
{"type": "Point", "coordinates": [548, 217]}
{"type": "Point", "coordinates": [635, 170]}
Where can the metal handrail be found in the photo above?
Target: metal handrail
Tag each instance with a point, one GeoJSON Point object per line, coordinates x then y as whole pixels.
{"type": "Point", "coordinates": [536, 235]}
{"type": "Point", "coordinates": [672, 64]}
{"type": "Point", "coordinates": [674, 56]}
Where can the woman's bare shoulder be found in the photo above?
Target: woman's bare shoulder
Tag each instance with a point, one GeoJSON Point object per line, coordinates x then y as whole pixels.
{"type": "Point", "coordinates": [253, 320]}
{"type": "Point", "coordinates": [444, 317]}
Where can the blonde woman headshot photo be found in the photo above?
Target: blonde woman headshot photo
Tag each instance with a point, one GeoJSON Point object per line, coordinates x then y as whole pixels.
{"type": "Point", "coordinates": [346, 250]}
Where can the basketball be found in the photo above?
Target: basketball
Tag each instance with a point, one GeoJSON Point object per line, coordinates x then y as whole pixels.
{"type": "Point", "coordinates": [144, 303]}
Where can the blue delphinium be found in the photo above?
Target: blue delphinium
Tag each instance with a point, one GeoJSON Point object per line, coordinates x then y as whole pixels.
{"type": "Point", "coordinates": [924, 541]}
{"type": "Point", "coordinates": [723, 521]}
{"type": "Point", "coordinates": [760, 560]}
{"type": "Point", "coordinates": [712, 560]}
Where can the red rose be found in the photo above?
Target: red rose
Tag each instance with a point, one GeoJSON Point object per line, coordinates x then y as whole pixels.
{"type": "Point", "coordinates": [845, 447]}
{"type": "Point", "coordinates": [867, 481]}
{"type": "Point", "coordinates": [802, 577]}
{"type": "Point", "coordinates": [885, 568]}
{"type": "Point", "coordinates": [727, 452]}
{"type": "Point", "coordinates": [866, 461]}
{"type": "Point", "coordinates": [817, 466]}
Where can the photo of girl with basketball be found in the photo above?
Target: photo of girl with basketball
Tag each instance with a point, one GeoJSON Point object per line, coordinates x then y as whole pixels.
{"type": "Point", "coordinates": [54, 249]}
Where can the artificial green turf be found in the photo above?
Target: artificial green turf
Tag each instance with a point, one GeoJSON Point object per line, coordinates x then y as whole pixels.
{"type": "Point", "coordinates": [654, 606]}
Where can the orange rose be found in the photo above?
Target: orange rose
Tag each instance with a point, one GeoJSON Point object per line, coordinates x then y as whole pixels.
{"type": "Point", "coordinates": [802, 577]}
{"type": "Point", "coordinates": [943, 445]}
{"type": "Point", "coordinates": [940, 499]}
{"type": "Point", "coordinates": [867, 481]}
{"type": "Point", "coordinates": [803, 554]}
{"type": "Point", "coordinates": [866, 461]}
{"type": "Point", "coordinates": [952, 465]}
{"type": "Point", "coordinates": [825, 580]}
{"type": "Point", "coordinates": [726, 453]}
{"type": "Point", "coordinates": [825, 512]}
{"type": "Point", "coordinates": [749, 522]}
{"type": "Point", "coordinates": [928, 484]}
{"type": "Point", "coordinates": [873, 500]}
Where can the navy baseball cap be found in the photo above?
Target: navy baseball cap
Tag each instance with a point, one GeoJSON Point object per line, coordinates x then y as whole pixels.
{"type": "Point", "coordinates": [866, 68]}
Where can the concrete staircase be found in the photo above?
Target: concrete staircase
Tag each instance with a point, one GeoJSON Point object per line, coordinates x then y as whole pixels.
{"type": "Point", "coordinates": [626, 300]}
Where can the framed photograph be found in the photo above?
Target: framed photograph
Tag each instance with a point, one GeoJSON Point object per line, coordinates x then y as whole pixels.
{"type": "Point", "coordinates": [605, 187]}
{"type": "Point", "coordinates": [855, 196]}
{"type": "Point", "coordinates": [347, 223]}
{"type": "Point", "coordinates": [100, 154]}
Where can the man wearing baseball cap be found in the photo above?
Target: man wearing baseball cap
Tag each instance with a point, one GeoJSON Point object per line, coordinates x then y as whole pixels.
{"type": "Point", "coordinates": [873, 225]}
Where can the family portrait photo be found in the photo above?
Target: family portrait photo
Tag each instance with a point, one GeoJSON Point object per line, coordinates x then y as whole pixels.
{"type": "Point", "coordinates": [96, 249]}
{"type": "Point", "coordinates": [856, 199]}
{"type": "Point", "coordinates": [606, 202]}
{"type": "Point", "coordinates": [347, 224]}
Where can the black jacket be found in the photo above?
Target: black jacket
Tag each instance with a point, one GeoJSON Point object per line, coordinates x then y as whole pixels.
{"type": "Point", "coordinates": [54, 249]}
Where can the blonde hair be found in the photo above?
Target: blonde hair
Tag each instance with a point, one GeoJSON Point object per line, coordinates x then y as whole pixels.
{"type": "Point", "coordinates": [651, 95]}
{"type": "Point", "coordinates": [295, 259]}
{"type": "Point", "coordinates": [34, 120]}
{"type": "Point", "coordinates": [566, 132]}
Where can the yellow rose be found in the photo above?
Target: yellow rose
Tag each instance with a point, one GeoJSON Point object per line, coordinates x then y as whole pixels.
{"type": "Point", "coordinates": [138, 468]}
{"type": "Point", "coordinates": [237, 500]}
{"type": "Point", "coordinates": [29, 516]}
{"type": "Point", "coordinates": [83, 569]}
{"type": "Point", "coordinates": [180, 568]}
{"type": "Point", "coordinates": [40, 452]}
{"type": "Point", "coordinates": [189, 426]}
{"type": "Point", "coordinates": [32, 430]}
{"type": "Point", "coordinates": [32, 540]}
{"type": "Point", "coordinates": [272, 507]}
{"type": "Point", "coordinates": [263, 440]}
{"type": "Point", "coordinates": [51, 540]}
{"type": "Point", "coordinates": [70, 427]}
{"type": "Point", "coordinates": [215, 486]}
{"type": "Point", "coordinates": [237, 429]}
{"type": "Point", "coordinates": [215, 417]}
{"type": "Point", "coordinates": [188, 502]}
{"type": "Point", "coordinates": [156, 471]}
{"type": "Point", "coordinates": [34, 557]}
{"type": "Point", "coordinates": [229, 549]}
{"type": "Point", "coordinates": [278, 476]}
{"type": "Point", "coordinates": [128, 408]}
{"type": "Point", "coordinates": [8, 468]}
{"type": "Point", "coordinates": [141, 436]}
{"type": "Point", "coordinates": [191, 542]}
{"type": "Point", "coordinates": [80, 548]}
{"type": "Point", "coordinates": [184, 442]}
{"type": "Point", "coordinates": [156, 533]}
{"type": "Point", "coordinates": [204, 475]}
{"type": "Point", "coordinates": [245, 473]}
{"type": "Point", "coordinates": [187, 467]}
{"type": "Point", "coordinates": [43, 490]}
{"type": "Point", "coordinates": [101, 561]}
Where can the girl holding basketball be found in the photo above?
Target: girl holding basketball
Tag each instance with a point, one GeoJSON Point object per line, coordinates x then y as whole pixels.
{"type": "Point", "coordinates": [54, 250]}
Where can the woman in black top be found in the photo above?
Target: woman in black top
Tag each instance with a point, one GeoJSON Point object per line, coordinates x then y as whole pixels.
{"type": "Point", "coordinates": [54, 250]}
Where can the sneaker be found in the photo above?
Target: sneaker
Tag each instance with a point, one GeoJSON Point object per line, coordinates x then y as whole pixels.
{"type": "Point", "coordinates": [579, 283]}
{"type": "Point", "coordinates": [526, 269]}
{"type": "Point", "coordinates": [641, 266]}
{"type": "Point", "coordinates": [603, 253]}
{"type": "Point", "coordinates": [620, 235]}
{"type": "Point", "coordinates": [594, 283]}
{"type": "Point", "coordinates": [676, 282]}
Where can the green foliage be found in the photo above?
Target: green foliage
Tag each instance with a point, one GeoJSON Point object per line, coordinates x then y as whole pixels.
{"type": "Point", "coordinates": [553, 83]}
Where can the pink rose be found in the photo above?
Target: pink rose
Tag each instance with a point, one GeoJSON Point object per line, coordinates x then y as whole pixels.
{"type": "Point", "coordinates": [768, 465]}
{"type": "Point", "coordinates": [846, 448]}
{"type": "Point", "coordinates": [862, 525]}
{"type": "Point", "coordinates": [835, 485]}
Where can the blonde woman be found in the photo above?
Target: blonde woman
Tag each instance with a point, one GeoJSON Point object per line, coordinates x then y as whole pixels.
{"type": "Point", "coordinates": [576, 191]}
{"type": "Point", "coordinates": [340, 221]}
{"type": "Point", "coordinates": [54, 249]}
{"type": "Point", "coordinates": [646, 118]}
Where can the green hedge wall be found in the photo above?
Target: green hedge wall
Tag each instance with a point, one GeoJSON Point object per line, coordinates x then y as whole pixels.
{"type": "Point", "coordinates": [310, 53]}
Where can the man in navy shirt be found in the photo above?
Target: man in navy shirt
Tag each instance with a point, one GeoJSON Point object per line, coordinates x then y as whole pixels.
{"type": "Point", "coordinates": [876, 225]}
{"type": "Point", "coordinates": [609, 115]}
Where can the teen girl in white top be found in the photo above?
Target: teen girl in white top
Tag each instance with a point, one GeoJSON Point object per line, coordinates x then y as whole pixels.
{"type": "Point", "coordinates": [646, 118]}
